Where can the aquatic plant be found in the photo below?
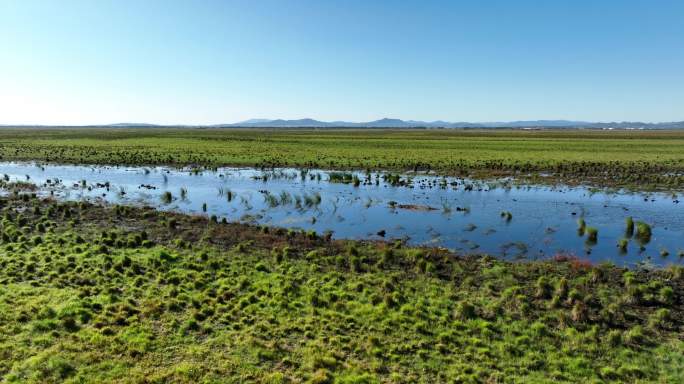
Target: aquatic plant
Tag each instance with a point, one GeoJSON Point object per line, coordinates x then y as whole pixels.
{"type": "Point", "coordinates": [285, 198]}
{"type": "Point", "coordinates": [393, 179]}
{"type": "Point", "coordinates": [340, 177]}
{"type": "Point", "coordinates": [166, 197]}
{"type": "Point", "coordinates": [271, 200]}
{"type": "Point", "coordinates": [245, 202]}
{"type": "Point", "coordinates": [592, 234]}
{"type": "Point", "coordinates": [629, 223]}
{"type": "Point", "coordinates": [356, 181]}
{"type": "Point", "coordinates": [643, 232]}
{"type": "Point", "coordinates": [581, 226]}
{"type": "Point", "coordinates": [312, 200]}
{"type": "Point", "coordinates": [622, 244]}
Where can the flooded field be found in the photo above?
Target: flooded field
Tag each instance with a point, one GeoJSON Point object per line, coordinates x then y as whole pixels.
{"type": "Point", "coordinates": [496, 217]}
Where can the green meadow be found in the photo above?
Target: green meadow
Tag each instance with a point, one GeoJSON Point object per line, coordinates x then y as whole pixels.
{"type": "Point", "coordinates": [94, 293]}
{"type": "Point", "coordinates": [113, 294]}
{"type": "Point", "coordinates": [643, 159]}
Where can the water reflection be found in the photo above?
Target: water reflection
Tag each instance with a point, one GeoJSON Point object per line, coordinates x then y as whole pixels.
{"type": "Point", "coordinates": [496, 217]}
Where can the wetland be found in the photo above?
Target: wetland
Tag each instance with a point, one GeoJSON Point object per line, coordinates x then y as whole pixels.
{"type": "Point", "coordinates": [500, 217]}
{"type": "Point", "coordinates": [298, 256]}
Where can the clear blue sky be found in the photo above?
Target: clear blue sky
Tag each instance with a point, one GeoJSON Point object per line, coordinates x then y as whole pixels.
{"type": "Point", "coordinates": [203, 62]}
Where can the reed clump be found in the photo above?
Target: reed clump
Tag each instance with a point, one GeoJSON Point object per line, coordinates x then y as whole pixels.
{"type": "Point", "coordinates": [643, 232]}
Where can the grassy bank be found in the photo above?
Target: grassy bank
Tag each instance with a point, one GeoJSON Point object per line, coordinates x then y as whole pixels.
{"type": "Point", "coordinates": [627, 158]}
{"type": "Point", "coordinates": [117, 294]}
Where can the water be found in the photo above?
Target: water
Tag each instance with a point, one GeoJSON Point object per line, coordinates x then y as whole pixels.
{"type": "Point", "coordinates": [462, 215]}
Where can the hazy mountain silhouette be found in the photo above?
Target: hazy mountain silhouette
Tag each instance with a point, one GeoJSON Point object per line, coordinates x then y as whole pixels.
{"type": "Point", "coordinates": [398, 123]}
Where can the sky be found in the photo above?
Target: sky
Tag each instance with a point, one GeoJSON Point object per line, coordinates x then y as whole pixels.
{"type": "Point", "coordinates": [73, 62]}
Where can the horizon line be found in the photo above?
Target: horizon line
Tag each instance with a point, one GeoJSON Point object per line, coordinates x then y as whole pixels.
{"type": "Point", "coordinates": [267, 121]}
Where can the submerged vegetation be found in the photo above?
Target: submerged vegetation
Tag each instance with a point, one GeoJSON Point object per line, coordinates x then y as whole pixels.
{"type": "Point", "coordinates": [94, 293]}
{"type": "Point", "coordinates": [647, 160]}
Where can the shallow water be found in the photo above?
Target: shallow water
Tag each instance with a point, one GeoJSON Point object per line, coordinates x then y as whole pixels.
{"type": "Point", "coordinates": [458, 214]}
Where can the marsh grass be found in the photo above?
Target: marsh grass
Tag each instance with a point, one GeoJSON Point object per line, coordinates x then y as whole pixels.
{"type": "Point", "coordinates": [629, 227]}
{"type": "Point", "coordinates": [592, 234]}
{"type": "Point", "coordinates": [622, 244]}
{"type": "Point", "coordinates": [643, 232]}
{"type": "Point", "coordinates": [312, 200]}
{"type": "Point", "coordinates": [271, 200]}
{"type": "Point", "coordinates": [356, 181]}
{"type": "Point", "coordinates": [166, 197]}
{"type": "Point", "coordinates": [581, 226]}
{"type": "Point", "coordinates": [340, 177]}
{"type": "Point", "coordinates": [285, 198]}
{"type": "Point", "coordinates": [651, 160]}
{"type": "Point", "coordinates": [245, 202]}
{"type": "Point", "coordinates": [225, 302]}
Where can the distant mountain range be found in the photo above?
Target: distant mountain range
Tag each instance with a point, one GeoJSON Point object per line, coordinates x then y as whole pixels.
{"type": "Point", "coordinates": [397, 123]}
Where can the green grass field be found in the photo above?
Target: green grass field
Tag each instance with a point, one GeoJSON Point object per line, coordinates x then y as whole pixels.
{"type": "Point", "coordinates": [113, 294]}
{"type": "Point", "coordinates": [629, 158]}
{"type": "Point", "coordinates": [92, 294]}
